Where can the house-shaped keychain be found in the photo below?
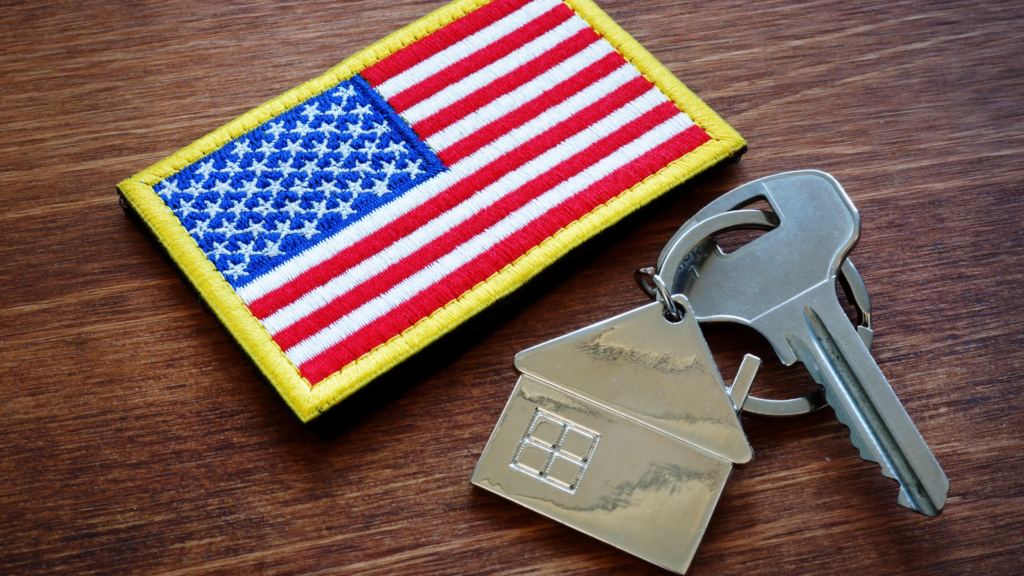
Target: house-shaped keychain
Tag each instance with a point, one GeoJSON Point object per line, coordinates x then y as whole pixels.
{"type": "Point", "coordinates": [623, 430]}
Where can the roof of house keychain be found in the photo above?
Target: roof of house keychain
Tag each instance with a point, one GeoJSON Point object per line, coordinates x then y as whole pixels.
{"type": "Point", "coordinates": [625, 430]}
{"type": "Point", "coordinates": [341, 228]}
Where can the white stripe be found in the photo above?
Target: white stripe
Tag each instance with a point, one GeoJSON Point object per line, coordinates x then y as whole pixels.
{"type": "Point", "coordinates": [507, 184]}
{"type": "Point", "coordinates": [384, 216]}
{"type": "Point", "coordinates": [466, 47]}
{"type": "Point", "coordinates": [520, 57]}
{"type": "Point", "coordinates": [527, 92]}
{"type": "Point", "coordinates": [422, 280]}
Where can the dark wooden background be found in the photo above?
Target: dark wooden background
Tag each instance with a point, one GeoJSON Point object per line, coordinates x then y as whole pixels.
{"type": "Point", "coordinates": [134, 436]}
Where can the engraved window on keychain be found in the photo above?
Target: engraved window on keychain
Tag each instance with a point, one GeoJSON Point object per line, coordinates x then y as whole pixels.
{"type": "Point", "coordinates": [555, 451]}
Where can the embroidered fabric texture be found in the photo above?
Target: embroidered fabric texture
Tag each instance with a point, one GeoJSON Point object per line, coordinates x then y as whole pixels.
{"type": "Point", "coordinates": [279, 209]}
{"type": "Point", "coordinates": [310, 172]}
{"type": "Point", "coordinates": [347, 222]}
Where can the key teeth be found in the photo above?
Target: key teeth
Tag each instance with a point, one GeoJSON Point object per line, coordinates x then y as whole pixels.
{"type": "Point", "coordinates": [862, 446]}
{"type": "Point", "coordinates": [858, 441]}
{"type": "Point", "coordinates": [855, 437]}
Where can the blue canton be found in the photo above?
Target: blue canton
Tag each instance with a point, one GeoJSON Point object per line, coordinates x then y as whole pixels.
{"type": "Point", "coordinates": [297, 179]}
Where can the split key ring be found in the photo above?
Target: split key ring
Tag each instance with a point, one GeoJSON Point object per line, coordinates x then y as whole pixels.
{"type": "Point", "coordinates": [698, 241]}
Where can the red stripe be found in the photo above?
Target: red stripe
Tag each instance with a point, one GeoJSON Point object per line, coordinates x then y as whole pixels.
{"type": "Point", "coordinates": [479, 59]}
{"type": "Point", "coordinates": [381, 239]}
{"type": "Point", "coordinates": [485, 95]}
{"type": "Point", "coordinates": [531, 109]}
{"type": "Point", "coordinates": [440, 39]}
{"type": "Point", "coordinates": [451, 240]}
{"type": "Point", "coordinates": [499, 256]}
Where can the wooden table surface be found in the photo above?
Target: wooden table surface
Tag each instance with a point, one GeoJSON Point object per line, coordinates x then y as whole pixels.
{"type": "Point", "coordinates": [135, 437]}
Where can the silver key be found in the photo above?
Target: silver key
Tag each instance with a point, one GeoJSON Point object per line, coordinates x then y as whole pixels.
{"type": "Point", "coordinates": [783, 285]}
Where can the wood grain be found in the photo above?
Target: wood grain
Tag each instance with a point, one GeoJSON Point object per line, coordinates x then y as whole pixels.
{"type": "Point", "coordinates": [134, 436]}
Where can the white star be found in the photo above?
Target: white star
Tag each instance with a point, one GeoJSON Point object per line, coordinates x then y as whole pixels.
{"type": "Point", "coordinates": [321, 149]}
{"type": "Point", "coordinates": [237, 207]}
{"type": "Point", "coordinates": [355, 188]}
{"type": "Point", "coordinates": [266, 148]}
{"type": "Point", "coordinates": [276, 129]}
{"type": "Point", "coordinates": [222, 187]}
{"type": "Point", "coordinates": [345, 93]}
{"type": "Point", "coordinates": [396, 148]}
{"type": "Point", "coordinates": [237, 269]}
{"type": "Point", "coordinates": [282, 228]}
{"type": "Point", "coordinates": [185, 209]}
{"type": "Point", "coordinates": [345, 149]}
{"type": "Point", "coordinates": [227, 228]}
{"type": "Point", "coordinates": [219, 249]}
{"type": "Point", "coordinates": [170, 188]}
{"type": "Point", "coordinates": [301, 128]}
{"type": "Point", "coordinates": [194, 189]}
{"type": "Point", "coordinates": [265, 207]}
{"type": "Point", "coordinates": [309, 168]}
{"type": "Point", "coordinates": [345, 209]}
{"type": "Point", "coordinates": [362, 167]}
{"type": "Point", "coordinates": [388, 168]}
{"type": "Point", "coordinates": [272, 249]}
{"type": "Point", "coordinates": [334, 167]}
{"type": "Point", "coordinates": [255, 228]}
{"type": "Point", "coordinates": [246, 249]}
{"type": "Point", "coordinates": [275, 186]}
{"type": "Point", "coordinates": [328, 188]}
{"type": "Point", "coordinates": [205, 169]}
{"type": "Point", "coordinates": [231, 168]}
{"type": "Point", "coordinates": [369, 148]}
{"type": "Point", "coordinates": [336, 111]}
{"type": "Point", "coordinates": [285, 166]}
{"type": "Point", "coordinates": [311, 110]}
{"type": "Point", "coordinates": [308, 229]}
{"type": "Point", "coordinates": [259, 167]}
{"type": "Point", "coordinates": [212, 209]}
{"type": "Point", "coordinates": [380, 187]}
{"type": "Point", "coordinates": [250, 188]}
{"type": "Point", "coordinates": [201, 228]}
{"type": "Point", "coordinates": [319, 208]}
{"type": "Point", "coordinates": [241, 148]}
{"type": "Point", "coordinates": [294, 147]}
{"type": "Point", "coordinates": [292, 207]}
{"type": "Point", "coordinates": [362, 111]}
{"type": "Point", "coordinates": [413, 169]}
{"type": "Point", "coordinates": [356, 129]}
{"type": "Point", "coordinates": [327, 128]}
{"type": "Point", "coordinates": [300, 187]}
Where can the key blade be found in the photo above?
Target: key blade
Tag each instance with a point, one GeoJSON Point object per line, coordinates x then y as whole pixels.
{"type": "Point", "coordinates": [865, 402]}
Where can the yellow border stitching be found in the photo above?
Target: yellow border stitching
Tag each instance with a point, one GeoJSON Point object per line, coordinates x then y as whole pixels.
{"type": "Point", "coordinates": [309, 401]}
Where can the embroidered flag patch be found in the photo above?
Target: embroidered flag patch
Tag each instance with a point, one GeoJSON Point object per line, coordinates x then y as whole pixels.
{"type": "Point", "coordinates": [344, 226]}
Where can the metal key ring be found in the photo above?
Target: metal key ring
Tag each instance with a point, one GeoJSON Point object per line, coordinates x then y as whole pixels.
{"type": "Point", "coordinates": [849, 278]}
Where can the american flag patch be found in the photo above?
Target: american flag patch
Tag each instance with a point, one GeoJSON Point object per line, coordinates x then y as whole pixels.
{"type": "Point", "coordinates": [344, 226]}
